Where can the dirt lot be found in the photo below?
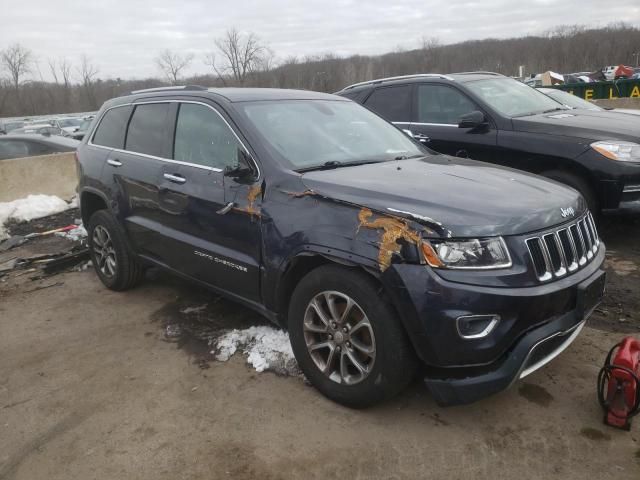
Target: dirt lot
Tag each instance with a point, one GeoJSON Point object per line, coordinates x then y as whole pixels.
{"type": "Point", "coordinates": [92, 385]}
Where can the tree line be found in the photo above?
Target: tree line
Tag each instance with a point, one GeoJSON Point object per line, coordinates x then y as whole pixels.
{"type": "Point", "coordinates": [242, 59]}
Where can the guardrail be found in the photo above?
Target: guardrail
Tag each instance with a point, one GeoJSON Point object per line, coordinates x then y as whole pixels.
{"type": "Point", "coordinates": [603, 90]}
{"type": "Point", "coordinates": [47, 174]}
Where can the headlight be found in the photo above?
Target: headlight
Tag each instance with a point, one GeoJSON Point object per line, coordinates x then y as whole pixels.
{"type": "Point", "coordinates": [623, 151]}
{"type": "Point", "coordinates": [477, 253]}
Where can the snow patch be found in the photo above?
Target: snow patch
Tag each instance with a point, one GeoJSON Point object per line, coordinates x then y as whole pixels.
{"type": "Point", "coordinates": [29, 208]}
{"type": "Point", "coordinates": [266, 348]}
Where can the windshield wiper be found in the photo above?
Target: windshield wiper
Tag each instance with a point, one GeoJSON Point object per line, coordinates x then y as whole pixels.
{"type": "Point", "coordinates": [336, 164]}
{"type": "Point", "coordinates": [555, 110]}
{"type": "Point", "coordinates": [404, 157]}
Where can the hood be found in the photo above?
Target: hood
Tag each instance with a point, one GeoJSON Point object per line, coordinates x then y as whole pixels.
{"type": "Point", "coordinates": [587, 124]}
{"type": "Point", "coordinates": [454, 197]}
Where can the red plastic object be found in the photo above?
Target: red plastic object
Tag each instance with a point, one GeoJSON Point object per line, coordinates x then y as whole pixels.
{"type": "Point", "coordinates": [623, 72]}
{"type": "Point", "coordinates": [619, 379]}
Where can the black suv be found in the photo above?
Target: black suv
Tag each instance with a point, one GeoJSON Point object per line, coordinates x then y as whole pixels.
{"type": "Point", "coordinates": [372, 251]}
{"type": "Point", "coordinates": [489, 117]}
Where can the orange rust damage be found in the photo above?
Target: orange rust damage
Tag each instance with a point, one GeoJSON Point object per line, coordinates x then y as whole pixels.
{"type": "Point", "coordinates": [252, 195]}
{"type": "Point", "coordinates": [394, 230]}
{"type": "Point", "coordinates": [300, 194]}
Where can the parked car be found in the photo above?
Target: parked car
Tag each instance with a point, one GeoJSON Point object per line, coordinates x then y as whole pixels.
{"type": "Point", "coordinates": [369, 248]}
{"type": "Point", "coordinates": [489, 117]}
{"type": "Point", "coordinates": [7, 126]}
{"type": "Point", "coordinates": [609, 72]}
{"type": "Point", "coordinates": [572, 101]}
{"type": "Point", "coordinates": [67, 124]}
{"type": "Point", "coordinates": [41, 129]}
{"type": "Point", "coordinates": [18, 146]}
{"type": "Point", "coordinates": [80, 131]}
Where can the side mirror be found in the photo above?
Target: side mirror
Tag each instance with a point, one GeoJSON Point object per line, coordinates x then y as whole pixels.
{"type": "Point", "coordinates": [473, 119]}
{"type": "Point", "coordinates": [241, 170]}
{"type": "Point", "coordinates": [237, 171]}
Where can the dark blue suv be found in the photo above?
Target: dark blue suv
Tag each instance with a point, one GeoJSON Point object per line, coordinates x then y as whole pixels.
{"type": "Point", "coordinates": [375, 253]}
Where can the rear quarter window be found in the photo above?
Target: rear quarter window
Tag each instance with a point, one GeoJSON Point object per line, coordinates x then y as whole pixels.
{"type": "Point", "coordinates": [112, 128]}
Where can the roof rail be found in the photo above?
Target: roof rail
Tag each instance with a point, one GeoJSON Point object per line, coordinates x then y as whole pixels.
{"type": "Point", "coordinates": [479, 73]}
{"type": "Point", "coordinates": [401, 77]}
{"type": "Point", "coordinates": [168, 89]}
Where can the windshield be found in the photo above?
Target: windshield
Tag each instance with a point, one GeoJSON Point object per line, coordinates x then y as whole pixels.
{"type": "Point", "coordinates": [310, 133]}
{"type": "Point", "coordinates": [569, 99]}
{"type": "Point", "coordinates": [512, 98]}
{"type": "Point", "coordinates": [84, 126]}
{"type": "Point", "coordinates": [69, 122]}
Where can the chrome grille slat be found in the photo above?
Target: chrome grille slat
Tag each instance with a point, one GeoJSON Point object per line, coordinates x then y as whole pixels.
{"type": "Point", "coordinates": [564, 250]}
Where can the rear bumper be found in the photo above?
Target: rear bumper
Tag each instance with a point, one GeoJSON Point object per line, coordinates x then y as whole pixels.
{"type": "Point", "coordinates": [533, 350]}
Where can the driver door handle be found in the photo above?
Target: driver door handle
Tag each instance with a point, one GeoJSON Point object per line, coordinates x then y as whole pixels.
{"type": "Point", "coordinates": [421, 138]}
{"type": "Point", "coordinates": [175, 178]}
{"type": "Point", "coordinates": [114, 163]}
{"type": "Point", "coordinates": [226, 208]}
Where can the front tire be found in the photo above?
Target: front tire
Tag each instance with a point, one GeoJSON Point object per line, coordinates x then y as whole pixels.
{"type": "Point", "coordinates": [112, 259]}
{"type": "Point", "coordinates": [347, 339]}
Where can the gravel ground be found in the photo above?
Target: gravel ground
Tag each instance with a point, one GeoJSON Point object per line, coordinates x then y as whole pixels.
{"type": "Point", "coordinates": [94, 385]}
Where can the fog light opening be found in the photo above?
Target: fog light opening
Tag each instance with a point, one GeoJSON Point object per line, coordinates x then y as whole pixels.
{"type": "Point", "coordinates": [476, 326]}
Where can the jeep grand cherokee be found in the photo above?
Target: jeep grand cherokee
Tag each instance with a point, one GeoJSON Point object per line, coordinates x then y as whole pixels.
{"type": "Point", "coordinates": [372, 251]}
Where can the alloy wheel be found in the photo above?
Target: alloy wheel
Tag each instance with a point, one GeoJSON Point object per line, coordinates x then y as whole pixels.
{"type": "Point", "coordinates": [105, 253]}
{"type": "Point", "coordinates": [339, 337]}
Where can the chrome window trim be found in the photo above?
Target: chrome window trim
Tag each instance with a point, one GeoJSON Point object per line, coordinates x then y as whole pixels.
{"type": "Point", "coordinates": [422, 124]}
{"type": "Point", "coordinates": [170, 160]}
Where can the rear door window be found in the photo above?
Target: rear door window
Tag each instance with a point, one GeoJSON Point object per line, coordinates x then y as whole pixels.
{"type": "Point", "coordinates": [148, 132]}
{"type": "Point", "coordinates": [442, 105]}
{"type": "Point", "coordinates": [204, 138]}
{"type": "Point", "coordinates": [112, 128]}
{"type": "Point", "coordinates": [391, 103]}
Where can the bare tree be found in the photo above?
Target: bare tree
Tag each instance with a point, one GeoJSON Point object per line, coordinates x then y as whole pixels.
{"type": "Point", "coordinates": [242, 53]}
{"type": "Point", "coordinates": [210, 59]}
{"type": "Point", "coordinates": [53, 70]}
{"type": "Point", "coordinates": [88, 71]}
{"type": "Point", "coordinates": [17, 59]}
{"type": "Point", "coordinates": [171, 64]}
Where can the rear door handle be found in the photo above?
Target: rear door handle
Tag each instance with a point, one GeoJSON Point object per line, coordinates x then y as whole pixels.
{"type": "Point", "coordinates": [114, 163]}
{"type": "Point", "coordinates": [174, 178]}
{"type": "Point", "coordinates": [421, 138]}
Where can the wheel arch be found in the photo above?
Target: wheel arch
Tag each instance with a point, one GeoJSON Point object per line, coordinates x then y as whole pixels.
{"type": "Point", "coordinates": [90, 202]}
{"type": "Point", "coordinates": [301, 264]}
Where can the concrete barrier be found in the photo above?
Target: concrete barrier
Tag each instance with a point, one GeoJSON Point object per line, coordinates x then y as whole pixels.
{"type": "Point", "coordinates": [48, 174]}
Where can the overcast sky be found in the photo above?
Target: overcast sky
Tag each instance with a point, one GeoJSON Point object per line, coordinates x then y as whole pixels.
{"type": "Point", "coordinates": [123, 37]}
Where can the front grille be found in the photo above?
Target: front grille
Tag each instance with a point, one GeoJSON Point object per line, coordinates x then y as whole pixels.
{"type": "Point", "coordinates": [564, 250]}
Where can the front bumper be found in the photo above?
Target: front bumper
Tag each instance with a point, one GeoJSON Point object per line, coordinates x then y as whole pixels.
{"type": "Point", "coordinates": [535, 349]}
{"type": "Point", "coordinates": [615, 181]}
{"type": "Point", "coordinates": [536, 324]}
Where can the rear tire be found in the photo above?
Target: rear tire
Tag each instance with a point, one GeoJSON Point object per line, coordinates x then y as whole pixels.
{"type": "Point", "coordinates": [578, 183]}
{"type": "Point", "coordinates": [368, 357]}
{"type": "Point", "coordinates": [115, 264]}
